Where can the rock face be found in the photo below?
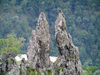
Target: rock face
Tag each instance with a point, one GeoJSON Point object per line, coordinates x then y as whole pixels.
{"type": "Point", "coordinates": [9, 66]}
{"type": "Point", "coordinates": [39, 44]}
{"type": "Point", "coordinates": [68, 53]}
{"type": "Point", "coordinates": [33, 49]}
{"type": "Point", "coordinates": [14, 71]}
{"type": "Point", "coordinates": [43, 39]}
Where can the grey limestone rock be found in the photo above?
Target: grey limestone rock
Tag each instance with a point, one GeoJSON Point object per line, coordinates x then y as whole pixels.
{"type": "Point", "coordinates": [39, 45]}
{"type": "Point", "coordinates": [68, 53]}
{"type": "Point", "coordinates": [9, 66]}
{"type": "Point", "coordinates": [14, 71]}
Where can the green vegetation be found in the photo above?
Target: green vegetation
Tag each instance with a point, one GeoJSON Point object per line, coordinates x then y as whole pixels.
{"type": "Point", "coordinates": [48, 72]}
{"type": "Point", "coordinates": [31, 71]}
{"type": "Point", "coordinates": [11, 45]}
{"type": "Point", "coordinates": [19, 17]}
{"type": "Point", "coordinates": [89, 70]}
{"type": "Point", "coordinates": [19, 62]}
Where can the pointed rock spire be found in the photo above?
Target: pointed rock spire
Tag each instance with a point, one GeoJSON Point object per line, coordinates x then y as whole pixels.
{"type": "Point", "coordinates": [60, 24]}
{"type": "Point", "coordinates": [33, 48]}
{"type": "Point", "coordinates": [39, 44]}
{"type": "Point", "coordinates": [68, 53]}
{"type": "Point", "coordinates": [43, 39]}
{"type": "Point", "coordinates": [42, 29]}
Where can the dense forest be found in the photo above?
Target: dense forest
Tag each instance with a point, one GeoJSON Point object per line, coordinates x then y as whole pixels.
{"type": "Point", "coordinates": [19, 17]}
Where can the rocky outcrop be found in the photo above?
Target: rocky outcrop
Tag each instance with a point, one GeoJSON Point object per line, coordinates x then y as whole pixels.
{"type": "Point", "coordinates": [68, 53]}
{"type": "Point", "coordinates": [38, 53]}
{"type": "Point", "coordinates": [33, 49]}
{"type": "Point", "coordinates": [39, 45]}
{"type": "Point", "coordinates": [9, 66]}
{"type": "Point", "coordinates": [14, 71]}
{"type": "Point", "coordinates": [43, 39]}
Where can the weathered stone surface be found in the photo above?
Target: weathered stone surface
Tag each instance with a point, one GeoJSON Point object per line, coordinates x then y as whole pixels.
{"type": "Point", "coordinates": [9, 66]}
{"type": "Point", "coordinates": [23, 67]}
{"type": "Point", "coordinates": [39, 45]}
{"type": "Point", "coordinates": [14, 71]}
{"type": "Point", "coordinates": [33, 49]}
{"type": "Point", "coordinates": [68, 53]}
{"type": "Point", "coordinates": [43, 39]}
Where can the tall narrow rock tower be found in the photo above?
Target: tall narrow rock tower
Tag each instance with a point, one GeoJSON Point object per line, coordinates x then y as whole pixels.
{"type": "Point", "coordinates": [39, 45]}
{"type": "Point", "coordinates": [43, 39]}
{"type": "Point", "coordinates": [68, 53]}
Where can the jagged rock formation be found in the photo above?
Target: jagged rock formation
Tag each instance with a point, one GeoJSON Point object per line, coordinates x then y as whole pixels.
{"type": "Point", "coordinates": [9, 66]}
{"type": "Point", "coordinates": [68, 53]}
{"type": "Point", "coordinates": [14, 71]}
{"type": "Point", "coordinates": [39, 51]}
{"type": "Point", "coordinates": [33, 49]}
{"type": "Point", "coordinates": [23, 67]}
{"type": "Point", "coordinates": [43, 39]}
{"type": "Point", "coordinates": [39, 45]}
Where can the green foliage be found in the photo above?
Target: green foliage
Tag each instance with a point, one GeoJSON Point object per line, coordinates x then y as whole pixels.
{"type": "Point", "coordinates": [38, 73]}
{"type": "Point", "coordinates": [48, 72]}
{"type": "Point", "coordinates": [70, 58]}
{"type": "Point", "coordinates": [19, 62]}
{"type": "Point", "coordinates": [10, 61]}
{"type": "Point", "coordinates": [31, 71]}
{"type": "Point", "coordinates": [11, 45]}
{"type": "Point", "coordinates": [58, 69]}
{"type": "Point", "coordinates": [84, 72]}
{"type": "Point", "coordinates": [90, 70]}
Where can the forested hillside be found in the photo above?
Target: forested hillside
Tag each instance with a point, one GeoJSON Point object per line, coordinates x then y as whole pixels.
{"type": "Point", "coordinates": [19, 17]}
